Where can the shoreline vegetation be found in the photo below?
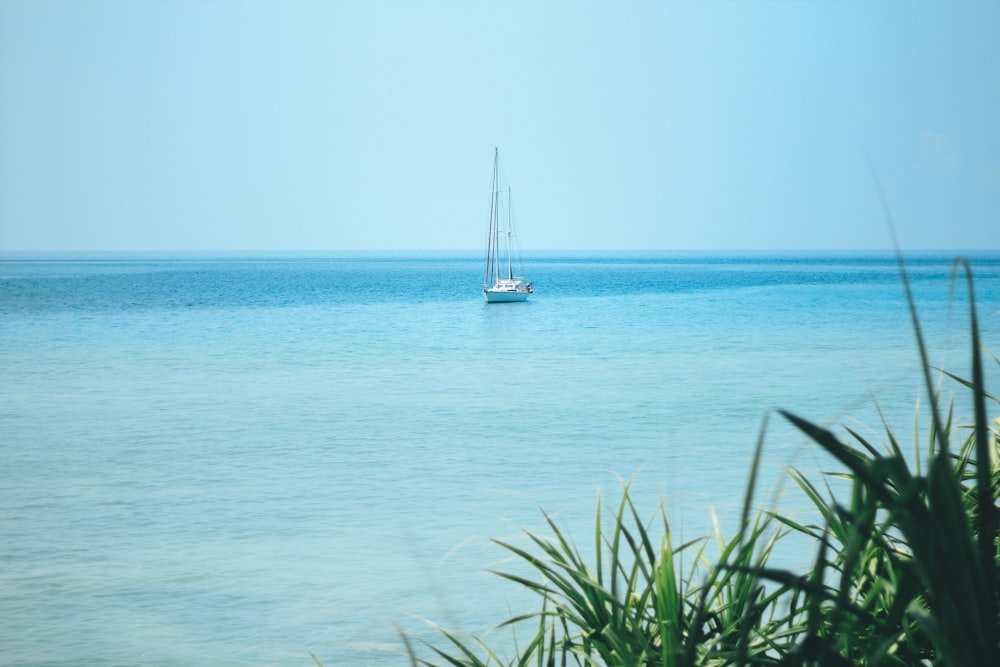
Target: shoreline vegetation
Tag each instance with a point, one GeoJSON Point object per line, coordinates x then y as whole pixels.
{"type": "Point", "coordinates": [904, 567]}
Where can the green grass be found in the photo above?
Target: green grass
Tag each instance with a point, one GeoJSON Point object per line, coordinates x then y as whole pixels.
{"type": "Point", "coordinates": [904, 573]}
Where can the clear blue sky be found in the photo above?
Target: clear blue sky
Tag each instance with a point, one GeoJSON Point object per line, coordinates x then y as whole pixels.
{"type": "Point", "coordinates": [313, 125]}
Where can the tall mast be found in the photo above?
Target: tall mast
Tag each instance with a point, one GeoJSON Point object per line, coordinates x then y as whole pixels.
{"type": "Point", "coordinates": [493, 235]}
{"type": "Point", "coordinates": [495, 216]}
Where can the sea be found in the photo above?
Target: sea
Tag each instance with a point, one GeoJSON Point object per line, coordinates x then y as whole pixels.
{"type": "Point", "coordinates": [244, 459]}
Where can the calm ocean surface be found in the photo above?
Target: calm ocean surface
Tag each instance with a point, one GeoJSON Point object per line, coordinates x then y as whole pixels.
{"type": "Point", "coordinates": [237, 460]}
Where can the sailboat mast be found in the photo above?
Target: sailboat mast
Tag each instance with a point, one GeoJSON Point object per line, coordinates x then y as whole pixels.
{"type": "Point", "coordinates": [492, 236]}
{"type": "Point", "coordinates": [495, 257]}
{"type": "Point", "coordinates": [496, 215]}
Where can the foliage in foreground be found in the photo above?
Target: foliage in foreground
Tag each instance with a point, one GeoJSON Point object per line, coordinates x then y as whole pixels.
{"type": "Point", "coordinates": [905, 571]}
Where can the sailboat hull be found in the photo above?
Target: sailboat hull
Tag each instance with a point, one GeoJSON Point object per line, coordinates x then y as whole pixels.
{"type": "Point", "coordinates": [507, 290]}
{"type": "Point", "coordinates": [504, 296]}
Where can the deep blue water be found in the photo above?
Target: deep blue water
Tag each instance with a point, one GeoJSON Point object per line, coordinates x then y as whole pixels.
{"type": "Point", "coordinates": [236, 460]}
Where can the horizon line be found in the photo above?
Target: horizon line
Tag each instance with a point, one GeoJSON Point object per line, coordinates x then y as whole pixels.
{"type": "Point", "coordinates": [375, 252]}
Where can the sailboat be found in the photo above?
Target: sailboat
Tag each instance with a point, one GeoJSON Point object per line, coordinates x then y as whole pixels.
{"type": "Point", "coordinates": [500, 285]}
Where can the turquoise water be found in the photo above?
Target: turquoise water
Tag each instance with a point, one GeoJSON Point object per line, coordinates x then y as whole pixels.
{"type": "Point", "coordinates": [237, 460]}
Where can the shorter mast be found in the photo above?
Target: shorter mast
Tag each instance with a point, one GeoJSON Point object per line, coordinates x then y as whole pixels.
{"type": "Point", "coordinates": [510, 232]}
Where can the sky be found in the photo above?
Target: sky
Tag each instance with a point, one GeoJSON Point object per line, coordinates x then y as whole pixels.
{"type": "Point", "coordinates": [176, 125]}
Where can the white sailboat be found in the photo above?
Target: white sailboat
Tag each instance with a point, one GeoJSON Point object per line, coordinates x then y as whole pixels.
{"type": "Point", "coordinates": [500, 285]}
